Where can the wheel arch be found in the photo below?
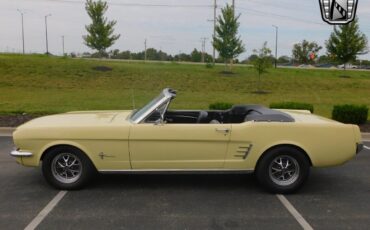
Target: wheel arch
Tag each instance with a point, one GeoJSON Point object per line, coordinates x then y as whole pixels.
{"type": "Point", "coordinates": [55, 145]}
{"type": "Point", "coordinates": [304, 152]}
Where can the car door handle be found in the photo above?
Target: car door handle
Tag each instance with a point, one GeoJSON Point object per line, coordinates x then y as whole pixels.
{"type": "Point", "coordinates": [222, 130]}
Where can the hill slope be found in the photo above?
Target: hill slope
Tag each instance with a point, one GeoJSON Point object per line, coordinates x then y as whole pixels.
{"type": "Point", "coordinates": [40, 84]}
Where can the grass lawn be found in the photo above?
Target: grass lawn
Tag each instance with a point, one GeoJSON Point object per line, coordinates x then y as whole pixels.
{"type": "Point", "coordinates": [39, 84]}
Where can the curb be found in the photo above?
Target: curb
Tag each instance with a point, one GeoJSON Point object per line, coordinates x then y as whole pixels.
{"type": "Point", "coordinates": [6, 131]}
{"type": "Point", "coordinates": [365, 136]}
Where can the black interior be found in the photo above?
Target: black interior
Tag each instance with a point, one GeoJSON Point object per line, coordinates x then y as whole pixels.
{"type": "Point", "coordinates": [237, 114]}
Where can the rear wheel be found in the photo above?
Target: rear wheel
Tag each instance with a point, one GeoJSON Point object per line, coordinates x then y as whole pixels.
{"type": "Point", "coordinates": [283, 170]}
{"type": "Point", "coordinates": [67, 168]}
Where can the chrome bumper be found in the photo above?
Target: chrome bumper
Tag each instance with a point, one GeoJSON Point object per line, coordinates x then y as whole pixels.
{"type": "Point", "coordinates": [16, 153]}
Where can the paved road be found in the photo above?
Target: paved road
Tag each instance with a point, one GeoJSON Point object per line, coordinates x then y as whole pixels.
{"type": "Point", "coordinates": [334, 198]}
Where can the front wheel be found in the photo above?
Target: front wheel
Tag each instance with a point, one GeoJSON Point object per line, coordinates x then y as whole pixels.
{"type": "Point", "coordinates": [283, 170]}
{"type": "Point", "coordinates": [67, 168]}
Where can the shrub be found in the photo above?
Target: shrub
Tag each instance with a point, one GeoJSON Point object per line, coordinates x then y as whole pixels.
{"type": "Point", "coordinates": [292, 105]}
{"type": "Point", "coordinates": [220, 106]}
{"type": "Point", "coordinates": [352, 114]}
{"type": "Point", "coordinates": [209, 65]}
{"type": "Point", "coordinates": [100, 55]}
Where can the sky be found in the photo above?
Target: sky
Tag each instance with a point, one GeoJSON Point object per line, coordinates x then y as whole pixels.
{"type": "Point", "coordinates": [170, 25]}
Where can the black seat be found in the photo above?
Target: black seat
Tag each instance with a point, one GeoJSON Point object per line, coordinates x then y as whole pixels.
{"type": "Point", "coordinates": [251, 114]}
{"type": "Point", "coordinates": [203, 115]}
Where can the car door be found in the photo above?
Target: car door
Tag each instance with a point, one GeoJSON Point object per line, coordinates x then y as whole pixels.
{"type": "Point", "coordinates": [178, 146]}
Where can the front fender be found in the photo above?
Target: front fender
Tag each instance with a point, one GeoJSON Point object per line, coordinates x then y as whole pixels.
{"type": "Point", "coordinates": [40, 148]}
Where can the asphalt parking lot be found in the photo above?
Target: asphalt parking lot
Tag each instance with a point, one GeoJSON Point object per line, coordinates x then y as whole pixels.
{"type": "Point", "coordinates": [333, 198]}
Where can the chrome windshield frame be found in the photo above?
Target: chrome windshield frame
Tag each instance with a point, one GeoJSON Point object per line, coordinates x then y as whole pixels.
{"type": "Point", "coordinates": [167, 95]}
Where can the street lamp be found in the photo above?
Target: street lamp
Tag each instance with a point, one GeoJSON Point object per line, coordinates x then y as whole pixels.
{"type": "Point", "coordinates": [276, 43]}
{"type": "Point", "coordinates": [46, 33]}
{"type": "Point", "coordinates": [22, 28]}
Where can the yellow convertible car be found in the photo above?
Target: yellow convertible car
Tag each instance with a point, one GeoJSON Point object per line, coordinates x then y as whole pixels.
{"type": "Point", "coordinates": [279, 146]}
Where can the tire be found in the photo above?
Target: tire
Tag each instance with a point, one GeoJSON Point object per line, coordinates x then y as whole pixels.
{"type": "Point", "coordinates": [276, 176]}
{"type": "Point", "coordinates": [67, 168]}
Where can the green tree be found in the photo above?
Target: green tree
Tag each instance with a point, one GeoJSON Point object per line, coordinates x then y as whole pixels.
{"type": "Point", "coordinates": [283, 59]}
{"type": "Point", "coordinates": [152, 54]}
{"type": "Point", "coordinates": [262, 62]}
{"type": "Point", "coordinates": [252, 58]}
{"type": "Point", "coordinates": [346, 42]}
{"type": "Point", "coordinates": [301, 51]}
{"type": "Point", "coordinates": [181, 57]}
{"type": "Point", "coordinates": [196, 56]}
{"type": "Point", "coordinates": [324, 59]}
{"type": "Point", "coordinates": [226, 41]}
{"type": "Point", "coordinates": [100, 32]}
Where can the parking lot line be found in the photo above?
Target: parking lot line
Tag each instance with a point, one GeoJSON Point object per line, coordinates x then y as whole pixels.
{"type": "Point", "coordinates": [44, 212]}
{"type": "Point", "coordinates": [366, 147]}
{"type": "Point", "coordinates": [305, 225]}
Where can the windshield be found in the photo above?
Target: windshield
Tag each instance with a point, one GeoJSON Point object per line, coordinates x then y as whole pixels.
{"type": "Point", "coordinates": [138, 113]}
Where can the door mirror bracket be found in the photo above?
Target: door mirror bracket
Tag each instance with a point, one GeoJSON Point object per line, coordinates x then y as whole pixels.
{"type": "Point", "coordinates": [159, 122]}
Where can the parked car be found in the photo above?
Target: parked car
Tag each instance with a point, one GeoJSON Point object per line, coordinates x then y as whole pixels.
{"type": "Point", "coordinates": [348, 66]}
{"type": "Point", "coordinates": [279, 146]}
{"type": "Point", "coordinates": [325, 65]}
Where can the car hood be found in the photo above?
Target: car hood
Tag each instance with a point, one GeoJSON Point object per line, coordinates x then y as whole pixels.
{"type": "Point", "coordinates": [78, 119]}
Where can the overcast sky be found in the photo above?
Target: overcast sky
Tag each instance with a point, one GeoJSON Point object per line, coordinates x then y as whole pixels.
{"type": "Point", "coordinates": [170, 25]}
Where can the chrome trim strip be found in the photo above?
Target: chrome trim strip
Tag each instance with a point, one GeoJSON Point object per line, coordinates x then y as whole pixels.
{"type": "Point", "coordinates": [176, 171]}
{"type": "Point", "coordinates": [245, 150]}
{"type": "Point", "coordinates": [16, 153]}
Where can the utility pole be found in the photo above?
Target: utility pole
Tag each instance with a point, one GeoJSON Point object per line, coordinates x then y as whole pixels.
{"type": "Point", "coordinates": [145, 50]}
{"type": "Point", "coordinates": [63, 44]}
{"type": "Point", "coordinates": [46, 33]}
{"type": "Point", "coordinates": [233, 5]}
{"type": "Point", "coordinates": [203, 40]}
{"type": "Point", "coordinates": [276, 43]}
{"type": "Point", "coordinates": [22, 29]}
{"type": "Point", "coordinates": [214, 29]}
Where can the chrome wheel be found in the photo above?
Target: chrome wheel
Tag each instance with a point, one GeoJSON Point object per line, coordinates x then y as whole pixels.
{"type": "Point", "coordinates": [284, 170]}
{"type": "Point", "coordinates": [66, 168]}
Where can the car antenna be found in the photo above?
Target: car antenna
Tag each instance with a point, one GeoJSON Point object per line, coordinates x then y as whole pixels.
{"type": "Point", "coordinates": [133, 98]}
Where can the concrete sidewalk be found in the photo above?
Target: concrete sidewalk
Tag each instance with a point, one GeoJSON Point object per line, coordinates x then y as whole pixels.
{"type": "Point", "coordinates": [366, 136]}
{"type": "Point", "coordinates": [7, 132]}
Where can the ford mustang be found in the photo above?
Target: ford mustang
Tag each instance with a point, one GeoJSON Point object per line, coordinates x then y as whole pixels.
{"type": "Point", "coordinates": [279, 146]}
